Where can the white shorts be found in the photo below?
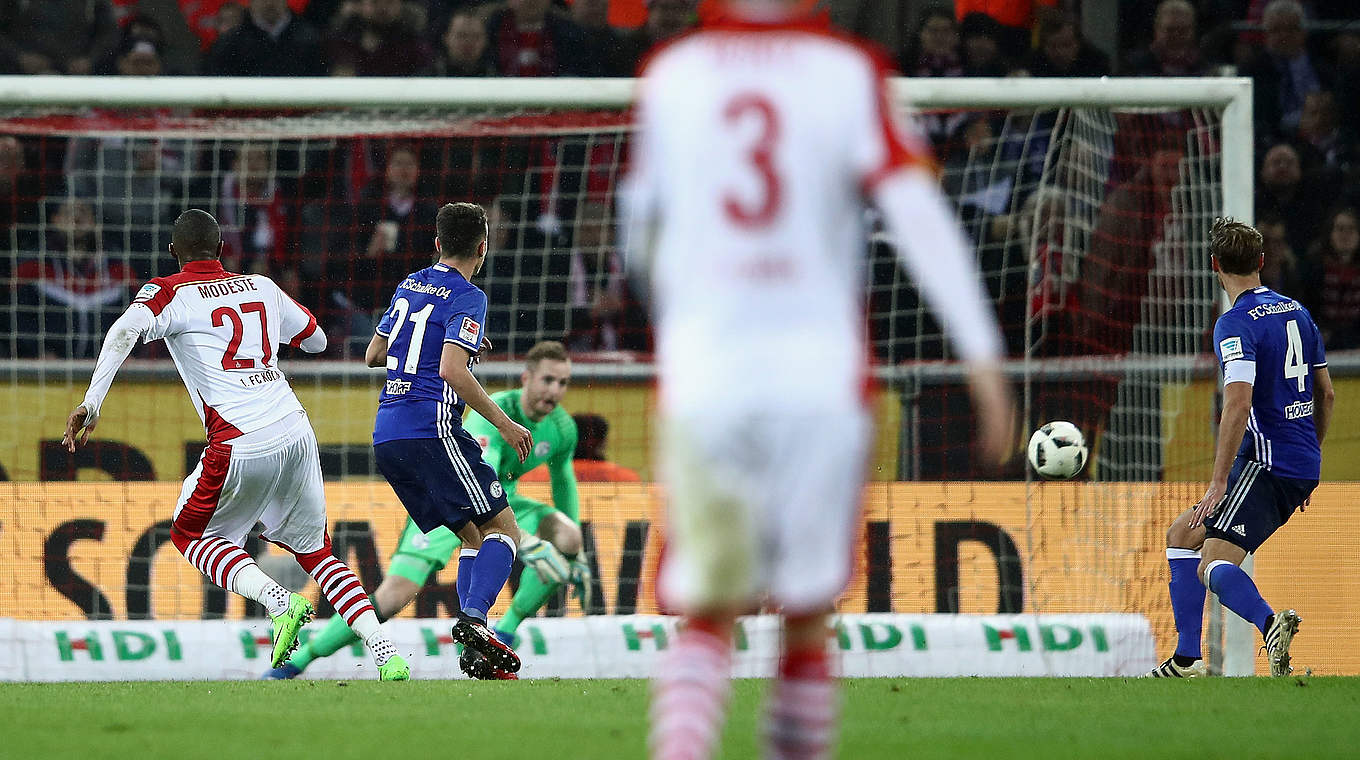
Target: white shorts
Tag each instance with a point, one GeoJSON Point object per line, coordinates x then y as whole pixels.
{"type": "Point", "coordinates": [270, 476]}
{"type": "Point", "coordinates": [762, 507]}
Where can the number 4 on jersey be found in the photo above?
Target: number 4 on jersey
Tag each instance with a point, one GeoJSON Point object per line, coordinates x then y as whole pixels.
{"type": "Point", "coordinates": [1294, 365]}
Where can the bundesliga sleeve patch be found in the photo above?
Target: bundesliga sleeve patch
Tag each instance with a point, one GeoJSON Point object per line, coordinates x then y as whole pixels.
{"type": "Point", "coordinates": [147, 292]}
{"type": "Point", "coordinates": [1231, 348]}
{"type": "Point", "coordinates": [469, 331]}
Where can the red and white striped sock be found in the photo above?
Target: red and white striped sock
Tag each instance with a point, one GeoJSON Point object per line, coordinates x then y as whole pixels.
{"type": "Point", "coordinates": [228, 565]}
{"type": "Point", "coordinates": [345, 593]}
{"type": "Point", "coordinates": [689, 694]}
{"type": "Point", "coordinates": [800, 714]}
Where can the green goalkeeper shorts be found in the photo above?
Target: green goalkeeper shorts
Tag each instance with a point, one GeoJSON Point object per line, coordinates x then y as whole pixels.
{"type": "Point", "coordinates": [437, 547]}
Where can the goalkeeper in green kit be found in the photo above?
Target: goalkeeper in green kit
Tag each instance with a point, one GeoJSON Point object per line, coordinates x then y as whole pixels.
{"type": "Point", "coordinates": [551, 548]}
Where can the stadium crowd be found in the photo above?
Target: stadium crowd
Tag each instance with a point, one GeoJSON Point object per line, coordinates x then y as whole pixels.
{"type": "Point", "coordinates": [82, 220]}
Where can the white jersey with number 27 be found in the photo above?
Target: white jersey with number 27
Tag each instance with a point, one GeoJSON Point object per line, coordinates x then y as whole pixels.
{"type": "Point", "coordinates": [223, 331]}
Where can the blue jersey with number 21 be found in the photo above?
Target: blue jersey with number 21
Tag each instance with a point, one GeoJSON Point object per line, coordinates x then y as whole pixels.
{"type": "Point", "coordinates": [1270, 341]}
{"type": "Point", "coordinates": [430, 308]}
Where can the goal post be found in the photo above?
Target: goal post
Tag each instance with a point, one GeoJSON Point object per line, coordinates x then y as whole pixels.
{"type": "Point", "coordinates": [1052, 164]}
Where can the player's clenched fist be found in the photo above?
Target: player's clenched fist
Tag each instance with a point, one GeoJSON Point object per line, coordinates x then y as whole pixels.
{"type": "Point", "coordinates": [518, 437]}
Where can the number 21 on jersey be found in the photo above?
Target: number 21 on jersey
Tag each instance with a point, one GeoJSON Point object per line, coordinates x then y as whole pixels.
{"type": "Point", "coordinates": [402, 308]}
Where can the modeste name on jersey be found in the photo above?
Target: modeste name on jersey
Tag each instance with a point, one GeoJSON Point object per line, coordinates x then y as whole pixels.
{"type": "Point", "coordinates": [416, 286]}
{"type": "Point", "coordinates": [226, 287]}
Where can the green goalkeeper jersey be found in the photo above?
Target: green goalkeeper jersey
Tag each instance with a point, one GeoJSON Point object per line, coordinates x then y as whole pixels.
{"type": "Point", "coordinates": [554, 443]}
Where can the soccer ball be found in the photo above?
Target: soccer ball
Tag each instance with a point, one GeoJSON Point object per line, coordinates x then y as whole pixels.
{"type": "Point", "coordinates": [1057, 451]}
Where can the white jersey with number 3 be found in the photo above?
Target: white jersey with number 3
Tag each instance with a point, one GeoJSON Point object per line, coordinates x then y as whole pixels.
{"type": "Point", "coordinates": [223, 331]}
{"type": "Point", "coordinates": [757, 147]}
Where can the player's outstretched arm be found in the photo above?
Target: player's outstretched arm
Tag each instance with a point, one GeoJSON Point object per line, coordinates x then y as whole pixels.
{"type": "Point", "coordinates": [1324, 396]}
{"type": "Point", "coordinates": [122, 336]}
{"type": "Point", "coordinates": [453, 368]}
{"type": "Point", "coordinates": [1231, 427]}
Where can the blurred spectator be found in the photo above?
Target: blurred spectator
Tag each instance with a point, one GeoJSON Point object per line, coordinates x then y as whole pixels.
{"type": "Point", "coordinates": [982, 45]}
{"type": "Point", "coordinates": [254, 215]}
{"type": "Point", "coordinates": [1325, 144]}
{"type": "Point", "coordinates": [134, 187]}
{"type": "Point", "coordinates": [379, 42]}
{"type": "Point", "coordinates": [935, 50]}
{"type": "Point", "coordinates": [1284, 73]}
{"type": "Point", "coordinates": [596, 287]}
{"type": "Point", "coordinates": [392, 235]}
{"type": "Point", "coordinates": [935, 53]}
{"type": "Point", "coordinates": [589, 462]}
{"type": "Point", "coordinates": [1282, 270]}
{"type": "Point", "coordinates": [1335, 286]}
{"type": "Point", "coordinates": [1131, 239]}
{"type": "Point", "coordinates": [69, 296]}
{"type": "Point", "coordinates": [465, 52]}
{"type": "Point", "coordinates": [55, 36]}
{"type": "Point", "coordinates": [19, 194]}
{"type": "Point", "coordinates": [163, 22]}
{"type": "Point", "coordinates": [1174, 51]}
{"type": "Point", "coordinates": [1062, 51]}
{"type": "Point", "coordinates": [138, 57]}
{"type": "Point", "coordinates": [1011, 21]}
{"type": "Point", "coordinates": [601, 38]}
{"type": "Point", "coordinates": [270, 42]}
{"type": "Point", "coordinates": [530, 39]}
{"type": "Point", "coordinates": [665, 19]}
{"type": "Point", "coordinates": [1283, 192]}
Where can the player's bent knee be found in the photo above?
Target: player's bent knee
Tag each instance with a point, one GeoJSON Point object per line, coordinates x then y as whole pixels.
{"type": "Point", "coordinates": [503, 538]}
{"type": "Point", "coordinates": [1179, 535]}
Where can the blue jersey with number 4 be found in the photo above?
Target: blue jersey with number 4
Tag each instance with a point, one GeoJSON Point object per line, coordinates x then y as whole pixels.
{"type": "Point", "coordinates": [1270, 341]}
{"type": "Point", "coordinates": [430, 308]}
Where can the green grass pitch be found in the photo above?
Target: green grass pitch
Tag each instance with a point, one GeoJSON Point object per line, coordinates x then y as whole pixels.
{"type": "Point", "coordinates": [583, 720]}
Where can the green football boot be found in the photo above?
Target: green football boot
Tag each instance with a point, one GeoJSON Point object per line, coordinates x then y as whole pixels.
{"type": "Point", "coordinates": [395, 669]}
{"type": "Point", "coordinates": [288, 624]}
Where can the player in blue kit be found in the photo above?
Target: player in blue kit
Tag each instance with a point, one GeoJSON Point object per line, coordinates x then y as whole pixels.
{"type": "Point", "coordinates": [428, 340]}
{"type": "Point", "coordinates": [1277, 403]}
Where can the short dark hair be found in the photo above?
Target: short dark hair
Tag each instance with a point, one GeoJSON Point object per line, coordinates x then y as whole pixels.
{"type": "Point", "coordinates": [196, 235]}
{"type": "Point", "coordinates": [545, 349]}
{"type": "Point", "coordinates": [1236, 246]}
{"type": "Point", "coordinates": [460, 227]}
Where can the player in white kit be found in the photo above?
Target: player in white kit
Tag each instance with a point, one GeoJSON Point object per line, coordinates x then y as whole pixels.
{"type": "Point", "coordinates": [758, 142]}
{"type": "Point", "coordinates": [261, 464]}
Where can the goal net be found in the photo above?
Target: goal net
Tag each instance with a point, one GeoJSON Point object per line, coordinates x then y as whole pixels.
{"type": "Point", "coordinates": [1088, 207]}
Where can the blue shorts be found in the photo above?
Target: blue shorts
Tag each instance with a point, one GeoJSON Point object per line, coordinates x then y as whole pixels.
{"type": "Point", "coordinates": [441, 481]}
{"type": "Point", "coordinates": [1257, 503]}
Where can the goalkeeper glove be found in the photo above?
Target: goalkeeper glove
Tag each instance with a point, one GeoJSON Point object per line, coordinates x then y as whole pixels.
{"type": "Point", "coordinates": [544, 559]}
{"type": "Point", "coordinates": [581, 579]}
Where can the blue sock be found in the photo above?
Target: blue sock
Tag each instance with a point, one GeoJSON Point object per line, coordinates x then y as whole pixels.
{"type": "Point", "coordinates": [464, 580]}
{"type": "Point", "coordinates": [490, 569]}
{"type": "Point", "coordinates": [1238, 593]}
{"type": "Point", "coordinates": [1187, 601]}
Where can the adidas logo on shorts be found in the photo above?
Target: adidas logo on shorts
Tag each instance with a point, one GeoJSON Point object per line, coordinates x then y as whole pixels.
{"type": "Point", "coordinates": [1240, 530]}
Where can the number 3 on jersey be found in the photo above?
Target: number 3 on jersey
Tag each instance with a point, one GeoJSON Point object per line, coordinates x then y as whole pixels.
{"type": "Point", "coordinates": [1294, 365]}
{"type": "Point", "coordinates": [402, 308]}
{"type": "Point", "coordinates": [761, 157]}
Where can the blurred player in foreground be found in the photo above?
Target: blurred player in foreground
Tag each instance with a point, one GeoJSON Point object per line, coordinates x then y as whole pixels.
{"type": "Point", "coordinates": [1277, 404]}
{"type": "Point", "coordinates": [758, 141]}
{"type": "Point", "coordinates": [261, 462]}
{"type": "Point", "coordinates": [428, 340]}
{"type": "Point", "coordinates": [550, 532]}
